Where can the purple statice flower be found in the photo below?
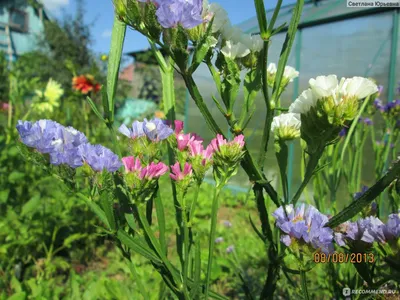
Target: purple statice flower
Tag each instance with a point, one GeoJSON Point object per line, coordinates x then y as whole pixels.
{"type": "Point", "coordinates": [99, 157]}
{"type": "Point", "coordinates": [41, 135]}
{"type": "Point", "coordinates": [368, 121]}
{"type": "Point", "coordinates": [343, 132]}
{"type": "Point", "coordinates": [392, 106]}
{"type": "Point", "coordinates": [306, 225]}
{"type": "Point", "coordinates": [379, 105]}
{"type": "Point", "coordinates": [187, 13]}
{"type": "Point", "coordinates": [230, 249]}
{"type": "Point", "coordinates": [393, 226]}
{"type": "Point", "coordinates": [134, 132]}
{"type": "Point", "coordinates": [380, 89]}
{"type": "Point", "coordinates": [219, 240]}
{"type": "Point", "coordinates": [357, 195]}
{"type": "Point", "coordinates": [368, 230]}
{"type": "Point", "coordinates": [156, 129]}
{"type": "Point", "coordinates": [227, 224]}
{"type": "Point", "coordinates": [66, 148]}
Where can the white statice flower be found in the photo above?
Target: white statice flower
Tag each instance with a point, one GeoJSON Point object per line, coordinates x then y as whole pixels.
{"type": "Point", "coordinates": [324, 86]}
{"type": "Point", "coordinates": [231, 33]}
{"type": "Point", "coordinates": [233, 51]}
{"type": "Point", "coordinates": [286, 126]}
{"type": "Point", "coordinates": [290, 73]}
{"type": "Point", "coordinates": [216, 11]}
{"type": "Point", "coordinates": [253, 42]}
{"type": "Point", "coordinates": [304, 102]}
{"type": "Point", "coordinates": [358, 87]}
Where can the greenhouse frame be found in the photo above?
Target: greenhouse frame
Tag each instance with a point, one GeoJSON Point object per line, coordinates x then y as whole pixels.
{"type": "Point", "coordinates": [332, 39]}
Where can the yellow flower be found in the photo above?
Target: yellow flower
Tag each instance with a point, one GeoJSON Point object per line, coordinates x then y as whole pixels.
{"type": "Point", "coordinates": [49, 99]}
{"type": "Point", "coordinates": [159, 114]}
{"type": "Point", "coordinates": [104, 57]}
{"type": "Point", "coordinates": [53, 91]}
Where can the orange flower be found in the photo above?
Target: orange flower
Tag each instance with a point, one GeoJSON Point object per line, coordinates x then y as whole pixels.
{"type": "Point", "coordinates": [85, 84]}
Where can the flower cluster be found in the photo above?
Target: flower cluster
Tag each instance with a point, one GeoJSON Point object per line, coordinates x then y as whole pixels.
{"type": "Point", "coordinates": [142, 180]}
{"type": "Point", "coordinates": [369, 230]}
{"type": "Point", "coordinates": [227, 156]}
{"type": "Point", "coordinates": [286, 127]}
{"type": "Point", "coordinates": [66, 145]}
{"type": "Point", "coordinates": [305, 226]}
{"type": "Point", "coordinates": [156, 130]}
{"type": "Point", "coordinates": [85, 84]}
{"type": "Point", "coordinates": [327, 105]}
{"type": "Point", "coordinates": [186, 13]}
{"type": "Point", "coordinates": [289, 74]}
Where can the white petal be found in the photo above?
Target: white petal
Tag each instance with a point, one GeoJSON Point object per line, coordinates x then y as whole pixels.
{"type": "Point", "coordinates": [359, 86]}
{"type": "Point", "coordinates": [323, 86]}
{"type": "Point", "coordinates": [303, 103]}
{"type": "Point", "coordinates": [290, 73]}
{"type": "Point", "coordinates": [271, 68]}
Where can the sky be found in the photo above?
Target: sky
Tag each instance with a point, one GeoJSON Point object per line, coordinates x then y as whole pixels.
{"type": "Point", "coordinates": [100, 14]}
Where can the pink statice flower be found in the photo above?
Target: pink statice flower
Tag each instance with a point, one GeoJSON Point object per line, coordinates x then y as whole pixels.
{"type": "Point", "coordinates": [153, 171]}
{"type": "Point", "coordinates": [196, 148]}
{"type": "Point", "coordinates": [177, 174]}
{"type": "Point", "coordinates": [178, 126]}
{"type": "Point", "coordinates": [132, 164]}
{"type": "Point", "coordinates": [4, 106]}
{"type": "Point", "coordinates": [184, 140]}
{"type": "Point", "coordinates": [226, 157]}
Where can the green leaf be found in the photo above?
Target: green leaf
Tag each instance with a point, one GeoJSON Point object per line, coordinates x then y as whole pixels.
{"type": "Point", "coordinates": [357, 205]}
{"type": "Point", "coordinates": [4, 195]}
{"type": "Point", "coordinates": [15, 176]}
{"type": "Point", "coordinates": [106, 203]}
{"type": "Point", "coordinates": [364, 271]}
{"type": "Point", "coordinates": [95, 208]}
{"type": "Point", "coordinates": [18, 296]}
{"type": "Point", "coordinates": [31, 206]}
{"type": "Point", "coordinates": [94, 108]}
{"type": "Point", "coordinates": [197, 270]}
{"type": "Point", "coordinates": [274, 16]}
{"type": "Point", "coordinates": [114, 61]}
{"type": "Point", "coordinates": [261, 17]}
{"type": "Point", "coordinates": [260, 235]}
{"type": "Point", "coordinates": [287, 46]}
{"type": "Point", "coordinates": [161, 220]}
{"type": "Point", "coordinates": [72, 238]}
{"type": "Point", "coordinates": [136, 245]}
{"type": "Point", "coordinates": [16, 285]}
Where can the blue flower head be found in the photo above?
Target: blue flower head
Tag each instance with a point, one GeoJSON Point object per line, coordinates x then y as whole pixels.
{"type": "Point", "coordinates": [66, 148]}
{"type": "Point", "coordinates": [99, 157]}
{"type": "Point", "coordinates": [304, 225]}
{"type": "Point", "coordinates": [187, 13]}
{"type": "Point", "coordinates": [156, 129]}
{"type": "Point", "coordinates": [41, 135]}
{"type": "Point", "coordinates": [134, 132]}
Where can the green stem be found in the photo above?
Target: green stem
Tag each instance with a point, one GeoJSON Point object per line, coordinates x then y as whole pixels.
{"type": "Point", "coordinates": [270, 109]}
{"type": "Point", "coordinates": [186, 247]}
{"type": "Point", "coordinates": [312, 164]}
{"type": "Point", "coordinates": [214, 214]}
{"type": "Point", "coordinates": [304, 288]}
{"type": "Point", "coordinates": [194, 202]}
{"type": "Point", "coordinates": [282, 157]}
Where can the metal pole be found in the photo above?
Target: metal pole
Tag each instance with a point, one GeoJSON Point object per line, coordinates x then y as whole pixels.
{"type": "Point", "coordinates": [393, 55]}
